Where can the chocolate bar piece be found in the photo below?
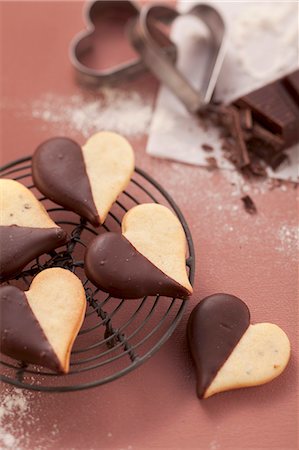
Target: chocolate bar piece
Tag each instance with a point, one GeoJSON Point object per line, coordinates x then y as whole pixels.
{"type": "Point", "coordinates": [291, 83]}
{"type": "Point", "coordinates": [274, 107]}
{"type": "Point", "coordinates": [259, 125]}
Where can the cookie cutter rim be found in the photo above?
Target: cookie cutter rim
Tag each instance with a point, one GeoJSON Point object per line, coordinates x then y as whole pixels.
{"type": "Point", "coordinates": [121, 70]}
{"type": "Point", "coordinates": [175, 308]}
{"type": "Point", "coordinates": [143, 41]}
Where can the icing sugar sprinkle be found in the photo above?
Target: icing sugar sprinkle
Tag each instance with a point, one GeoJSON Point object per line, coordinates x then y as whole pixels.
{"type": "Point", "coordinates": [18, 415]}
{"type": "Point", "coordinates": [288, 237]}
{"type": "Point", "coordinates": [13, 405]}
{"type": "Point", "coordinates": [125, 112]}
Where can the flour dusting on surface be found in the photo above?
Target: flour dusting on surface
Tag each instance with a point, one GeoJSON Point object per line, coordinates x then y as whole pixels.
{"type": "Point", "coordinates": [18, 417]}
{"type": "Point", "coordinates": [124, 112]}
{"type": "Point", "coordinates": [216, 201]}
{"type": "Point", "coordinates": [288, 237]}
{"type": "Point", "coordinates": [14, 408]}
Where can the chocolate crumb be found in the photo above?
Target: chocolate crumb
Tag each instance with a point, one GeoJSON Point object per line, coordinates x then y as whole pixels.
{"type": "Point", "coordinates": [249, 205]}
{"type": "Point", "coordinates": [277, 160]}
{"type": "Point", "coordinates": [274, 183]}
{"type": "Point", "coordinates": [207, 147]}
{"type": "Point", "coordinates": [256, 168]}
{"type": "Point", "coordinates": [212, 163]}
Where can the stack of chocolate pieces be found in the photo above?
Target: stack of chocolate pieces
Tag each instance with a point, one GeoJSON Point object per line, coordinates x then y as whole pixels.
{"type": "Point", "coordinates": [261, 125]}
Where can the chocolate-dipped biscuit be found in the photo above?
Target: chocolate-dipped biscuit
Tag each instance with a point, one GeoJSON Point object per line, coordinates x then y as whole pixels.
{"type": "Point", "coordinates": [88, 179]}
{"type": "Point", "coordinates": [40, 325]}
{"type": "Point", "coordinates": [26, 230]}
{"type": "Point", "coordinates": [22, 337]}
{"type": "Point", "coordinates": [228, 352]}
{"type": "Point", "coordinates": [58, 170]}
{"type": "Point", "coordinates": [147, 259]}
{"type": "Point", "coordinates": [116, 267]}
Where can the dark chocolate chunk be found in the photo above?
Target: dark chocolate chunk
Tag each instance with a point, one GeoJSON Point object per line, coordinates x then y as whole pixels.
{"type": "Point", "coordinates": [274, 108]}
{"type": "Point", "coordinates": [260, 124]}
{"type": "Point", "coordinates": [266, 151]}
{"type": "Point", "coordinates": [249, 204]}
{"type": "Point", "coordinates": [59, 172]}
{"type": "Point", "coordinates": [116, 267]}
{"type": "Point", "coordinates": [22, 337]}
{"type": "Point", "coordinates": [291, 83]}
{"type": "Point", "coordinates": [20, 245]}
{"type": "Point", "coordinates": [267, 137]}
{"type": "Point", "coordinates": [215, 327]}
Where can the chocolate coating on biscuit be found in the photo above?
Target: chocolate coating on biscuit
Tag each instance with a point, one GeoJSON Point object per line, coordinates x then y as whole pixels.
{"type": "Point", "coordinates": [215, 327]}
{"type": "Point", "coordinates": [20, 245]}
{"type": "Point", "coordinates": [59, 172]}
{"type": "Point", "coordinates": [116, 267]}
{"type": "Point", "coordinates": [22, 337]}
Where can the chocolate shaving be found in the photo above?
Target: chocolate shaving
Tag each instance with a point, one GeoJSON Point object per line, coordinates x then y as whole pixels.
{"type": "Point", "coordinates": [237, 133]}
{"type": "Point", "coordinates": [246, 119]}
{"type": "Point", "coordinates": [249, 205]}
{"type": "Point", "coordinates": [228, 118]}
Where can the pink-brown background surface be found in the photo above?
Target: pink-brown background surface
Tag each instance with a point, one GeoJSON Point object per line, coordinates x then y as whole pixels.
{"type": "Point", "coordinates": [253, 257]}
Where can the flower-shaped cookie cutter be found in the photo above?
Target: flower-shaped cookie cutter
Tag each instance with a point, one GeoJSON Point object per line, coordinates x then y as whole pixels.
{"type": "Point", "coordinates": [119, 13]}
{"type": "Point", "coordinates": [142, 35]}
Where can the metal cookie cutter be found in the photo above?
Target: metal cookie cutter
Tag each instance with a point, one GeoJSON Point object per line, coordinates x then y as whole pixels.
{"type": "Point", "coordinates": [142, 37]}
{"type": "Point", "coordinates": [118, 12]}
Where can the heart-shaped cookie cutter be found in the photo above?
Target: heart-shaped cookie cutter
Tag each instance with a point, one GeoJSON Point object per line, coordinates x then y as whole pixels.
{"type": "Point", "coordinates": [82, 43]}
{"type": "Point", "coordinates": [142, 37]}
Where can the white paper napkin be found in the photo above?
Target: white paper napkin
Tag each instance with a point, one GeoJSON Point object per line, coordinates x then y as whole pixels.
{"type": "Point", "coordinates": [262, 45]}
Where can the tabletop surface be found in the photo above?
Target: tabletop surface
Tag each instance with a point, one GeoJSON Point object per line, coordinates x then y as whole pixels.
{"type": "Point", "coordinates": [251, 256]}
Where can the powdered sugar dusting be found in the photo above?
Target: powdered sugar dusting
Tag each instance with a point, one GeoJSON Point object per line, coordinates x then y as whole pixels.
{"type": "Point", "coordinates": [113, 109]}
{"type": "Point", "coordinates": [13, 408]}
{"type": "Point", "coordinates": [214, 197]}
{"type": "Point", "coordinates": [17, 417]}
{"type": "Point", "coordinates": [288, 237]}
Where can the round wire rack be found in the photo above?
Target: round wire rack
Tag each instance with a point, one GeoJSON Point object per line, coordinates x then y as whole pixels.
{"type": "Point", "coordinates": [117, 335]}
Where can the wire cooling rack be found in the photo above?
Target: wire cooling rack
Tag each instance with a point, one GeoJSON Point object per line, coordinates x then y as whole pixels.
{"type": "Point", "coordinates": [117, 335]}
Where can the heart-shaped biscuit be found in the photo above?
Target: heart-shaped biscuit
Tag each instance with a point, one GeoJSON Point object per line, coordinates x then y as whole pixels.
{"type": "Point", "coordinates": [229, 352]}
{"type": "Point", "coordinates": [149, 258]}
{"type": "Point", "coordinates": [85, 180]}
{"type": "Point", "coordinates": [39, 326]}
{"type": "Point", "coordinates": [26, 230]}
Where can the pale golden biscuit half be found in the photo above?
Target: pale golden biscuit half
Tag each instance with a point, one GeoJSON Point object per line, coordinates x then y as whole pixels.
{"type": "Point", "coordinates": [260, 356]}
{"type": "Point", "coordinates": [26, 229]}
{"type": "Point", "coordinates": [20, 207]}
{"type": "Point", "coordinates": [57, 299]}
{"type": "Point", "coordinates": [109, 161]}
{"type": "Point", "coordinates": [157, 234]}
